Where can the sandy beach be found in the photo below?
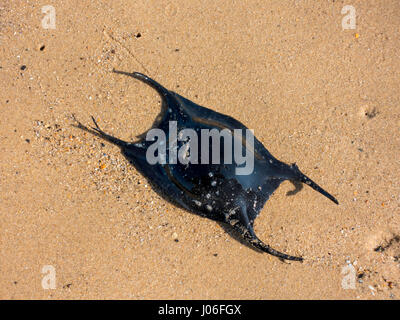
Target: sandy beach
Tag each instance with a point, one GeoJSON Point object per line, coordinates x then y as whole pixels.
{"type": "Point", "coordinates": [327, 98]}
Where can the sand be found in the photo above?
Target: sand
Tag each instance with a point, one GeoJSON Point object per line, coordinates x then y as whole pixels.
{"type": "Point", "coordinates": [315, 94]}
